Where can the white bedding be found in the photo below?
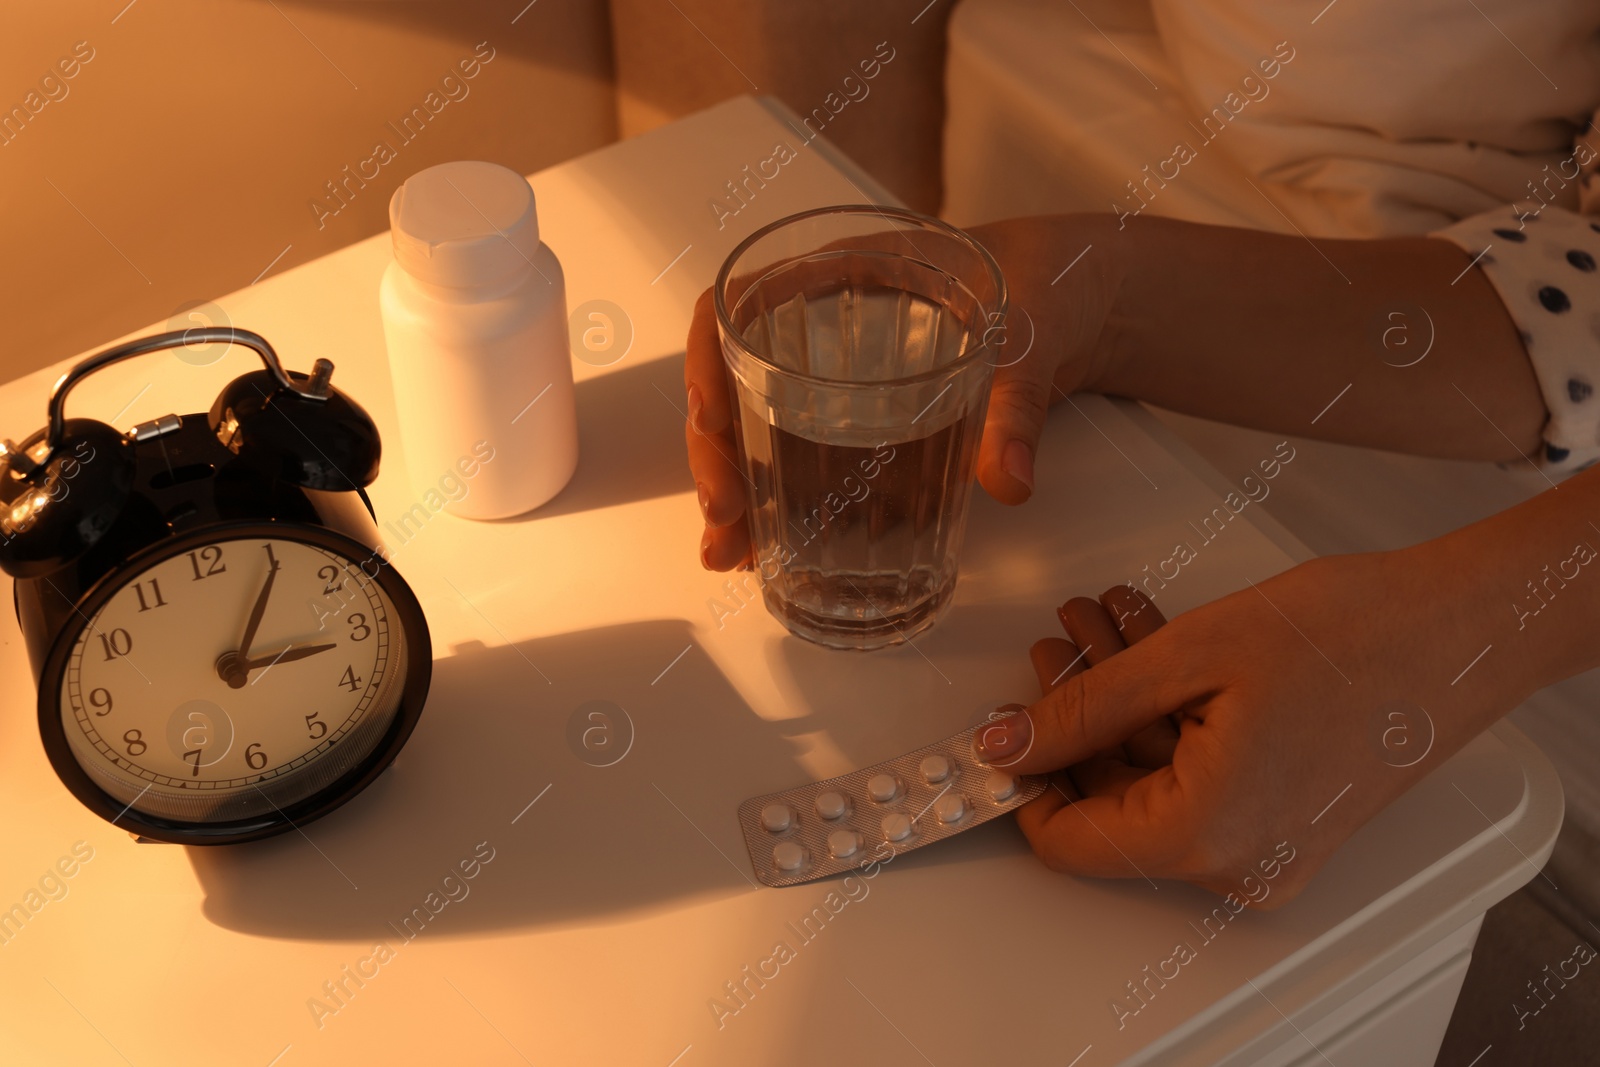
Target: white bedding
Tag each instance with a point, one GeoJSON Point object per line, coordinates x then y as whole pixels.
{"type": "Point", "coordinates": [1369, 117]}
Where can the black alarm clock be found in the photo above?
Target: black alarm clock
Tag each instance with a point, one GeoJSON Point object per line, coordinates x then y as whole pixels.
{"type": "Point", "coordinates": [222, 650]}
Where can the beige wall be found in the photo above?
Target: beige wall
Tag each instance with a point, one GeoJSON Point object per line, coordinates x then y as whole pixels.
{"type": "Point", "coordinates": [186, 154]}
{"type": "Point", "coordinates": [821, 57]}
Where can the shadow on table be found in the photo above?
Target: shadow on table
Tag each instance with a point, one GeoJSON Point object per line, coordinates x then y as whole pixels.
{"type": "Point", "coordinates": [497, 767]}
{"type": "Point", "coordinates": [630, 439]}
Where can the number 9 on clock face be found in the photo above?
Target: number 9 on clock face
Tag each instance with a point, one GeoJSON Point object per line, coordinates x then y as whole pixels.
{"type": "Point", "coordinates": [237, 681]}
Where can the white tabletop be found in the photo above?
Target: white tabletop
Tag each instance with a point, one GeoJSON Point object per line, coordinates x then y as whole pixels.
{"type": "Point", "coordinates": [617, 906]}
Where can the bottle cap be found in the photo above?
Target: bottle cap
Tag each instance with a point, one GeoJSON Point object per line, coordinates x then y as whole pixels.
{"type": "Point", "coordinates": [464, 224]}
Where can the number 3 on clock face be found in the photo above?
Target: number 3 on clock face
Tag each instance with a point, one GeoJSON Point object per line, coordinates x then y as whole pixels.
{"type": "Point", "coordinates": [233, 679]}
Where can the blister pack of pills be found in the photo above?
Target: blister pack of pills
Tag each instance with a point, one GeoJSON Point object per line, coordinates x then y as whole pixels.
{"type": "Point", "coordinates": [836, 825]}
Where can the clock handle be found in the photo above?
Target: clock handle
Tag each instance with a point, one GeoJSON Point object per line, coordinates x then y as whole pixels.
{"type": "Point", "coordinates": [316, 388]}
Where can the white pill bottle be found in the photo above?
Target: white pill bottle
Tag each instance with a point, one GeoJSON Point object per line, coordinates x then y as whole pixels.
{"type": "Point", "coordinates": [475, 320]}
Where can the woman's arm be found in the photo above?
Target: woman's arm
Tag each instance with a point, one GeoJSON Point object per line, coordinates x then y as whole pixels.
{"type": "Point", "coordinates": [1266, 330]}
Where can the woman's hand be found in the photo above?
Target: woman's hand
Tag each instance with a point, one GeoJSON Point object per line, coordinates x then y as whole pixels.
{"type": "Point", "coordinates": [1054, 345]}
{"type": "Point", "coordinates": [1287, 697]}
{"type": "Point", "coordinates": [1098, 631]}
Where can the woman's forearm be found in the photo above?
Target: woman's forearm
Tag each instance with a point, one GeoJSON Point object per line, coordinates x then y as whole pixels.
{"type": "Point", "coordinates": [1524, 590]}
{"type": "Point", "coordinates": [1390, 343]}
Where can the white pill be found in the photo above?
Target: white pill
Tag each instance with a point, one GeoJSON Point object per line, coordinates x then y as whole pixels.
{"type": "Point", "coordinates": [777, 818]}
{"type": "Point", "coordinates": [1002, 786]}
{"type": "Point", "coordinates": [843, 843]}
{"type": "Point", "coordinates": [951, 807]}
{"type": "Point", "coordinates": [788, 856]}
{"type": "Point", "coordinates": [935, 768]}
{"type": "Point", "coordinates": [883, 787]}
{"type": "Point", "coordinates": [831, 805]}
{"type": "Point", "coordinates": [896, 827]}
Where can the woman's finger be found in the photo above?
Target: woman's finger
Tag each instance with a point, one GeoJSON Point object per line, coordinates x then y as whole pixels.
{"type": "Point", "coordinates": [704, 376]}
{"type": "Point", "coordinates": [718, 478]}
{"type": "Point", "coordinates": [713, 454]}
{"type": "Point", "coordinates": [1059, 794]}
{"type": "Point", "coordinates": [1152, 746]}
{"type": "Point", "coordinates": [1137, 617]}
{"type": "Point", "coordinates": [1091, 629]}
{"type": "Point", "coordinates": [1019, 400]}
{"type": "Point", "coordinates": [1054, 661]}
{"type": "Point", "coordinates": [725, 543]}
{"type": "Point", "coordinates": [722, 548]}
{"type": "Point", "coordinates": [1134, 614]}
{"type": "Point", "coordinates": [1138, 834]}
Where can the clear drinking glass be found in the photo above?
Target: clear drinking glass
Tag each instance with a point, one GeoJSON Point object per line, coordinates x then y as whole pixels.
{"type": "Point", "coordinates": [860, 344]}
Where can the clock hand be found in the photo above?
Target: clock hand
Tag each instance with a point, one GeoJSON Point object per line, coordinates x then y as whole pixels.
{"type": "Point", "coordinates": [256, 612]}
{"type": "Point", "coordinates": [288, 655]}
{"type": "Point", "coordinates": [235, 669]}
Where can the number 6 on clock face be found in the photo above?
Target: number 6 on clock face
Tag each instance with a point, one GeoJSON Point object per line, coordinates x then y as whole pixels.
{"type": "Point", "coordinates": [238, 679]}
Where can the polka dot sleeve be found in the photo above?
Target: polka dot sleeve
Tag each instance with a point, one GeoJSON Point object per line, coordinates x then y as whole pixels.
{"type": "Point", "coordinates": [1542, 263]}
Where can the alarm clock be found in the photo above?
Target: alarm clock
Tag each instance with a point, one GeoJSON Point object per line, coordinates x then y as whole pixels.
{"type": "Point", "coordinates": [222, 648]}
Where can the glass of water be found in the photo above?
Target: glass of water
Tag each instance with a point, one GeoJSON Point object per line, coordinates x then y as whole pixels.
{"type": "Point", "coordinates": [861, 345]}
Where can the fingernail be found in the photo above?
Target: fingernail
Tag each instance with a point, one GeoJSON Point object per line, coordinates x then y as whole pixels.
{"type": "Point", "coordinates": [705, 550]}
{"type": "Point", "coordinates": [697, 404]}
{"type": "Point", "coordinates": [1003, 738]}
{"type": "Point", "coordinates": [705, 500]}
{"type": "Point", "coordinates": [1123, 601]}
{"type": "Point", "coordinates": [1061, 613]}
{"type": "Point", "coordinates": [1017, 461]}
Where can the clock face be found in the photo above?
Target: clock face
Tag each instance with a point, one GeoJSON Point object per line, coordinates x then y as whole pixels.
{"type": "Point", "coordinates": [232, 679]}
